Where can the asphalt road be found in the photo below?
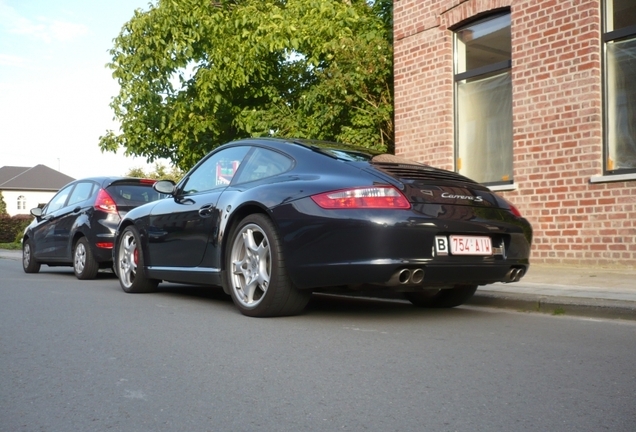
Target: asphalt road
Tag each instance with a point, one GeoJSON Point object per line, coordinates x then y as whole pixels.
{"type": "Point", "coordinates": [85, 356]}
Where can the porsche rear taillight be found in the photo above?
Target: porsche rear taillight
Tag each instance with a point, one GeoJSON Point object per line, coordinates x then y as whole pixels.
{"type": "Point", "coordinates": [514, 210]}
{"type": "Point", "coordinates": [372, 197]}
{"type": "Point", "coordinates": [105, 202]}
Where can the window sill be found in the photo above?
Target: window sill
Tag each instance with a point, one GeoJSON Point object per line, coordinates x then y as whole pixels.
{"type": "Point", "coordinates": [612, 178]}
{"type": "Point", "coordinates": [504, 187]}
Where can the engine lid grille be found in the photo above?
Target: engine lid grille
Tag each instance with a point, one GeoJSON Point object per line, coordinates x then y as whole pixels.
{"type": "Point", "coordinates": [414, 172]}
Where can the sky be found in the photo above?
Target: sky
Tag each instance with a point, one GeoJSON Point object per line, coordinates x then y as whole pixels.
{"type": "Point", "coordinates": [55, 88]}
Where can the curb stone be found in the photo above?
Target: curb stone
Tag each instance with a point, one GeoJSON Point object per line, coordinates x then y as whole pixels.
{"type": "Point", "coordinates": [556, 305]}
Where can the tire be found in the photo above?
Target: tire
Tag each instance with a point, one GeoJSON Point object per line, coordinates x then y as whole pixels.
{"type": "Point", "coordinates": [445, 298]}
{"type": "Point", "coordinates": [84, 264]}
{"type": "Point", "coordinates": [29, 263]}
{"type": "Point", "coordinates": [255, 271]}
{"type": "Point", "coordinates": [129, 263]}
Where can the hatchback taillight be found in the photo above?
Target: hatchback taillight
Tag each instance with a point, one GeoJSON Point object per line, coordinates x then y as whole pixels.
{"type": "Point", "coordinates": [371, 197]}
{"type": "Point", "coordinates": [105, 202]}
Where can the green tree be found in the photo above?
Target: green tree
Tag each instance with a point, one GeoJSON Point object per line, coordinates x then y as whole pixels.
{"type": "Point", "coordinates": [3, 205]}
{"type": "Point", "coordinates": [160, 173]}
{"type": "Point", "coordinates": [194, 74]}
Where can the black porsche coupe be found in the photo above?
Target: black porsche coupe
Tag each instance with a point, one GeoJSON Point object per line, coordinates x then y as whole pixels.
{"type": "Point", "coordinates": [273, 220]}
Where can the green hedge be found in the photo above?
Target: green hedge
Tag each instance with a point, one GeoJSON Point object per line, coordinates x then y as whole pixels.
{"type": "Point", "coordinates": [12, 227]}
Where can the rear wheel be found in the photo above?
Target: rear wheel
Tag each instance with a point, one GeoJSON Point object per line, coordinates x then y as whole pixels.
{"type": "Point", "coordinates": [256, 275]}
{"type": "Point", "coordinates": [129, 262]}
{"type": "Point", "coordinates": [445, 298]}
{"type": "Point", "coordinates": [29, 263]}
{"type": "Point", "coordinates": [84, 264]}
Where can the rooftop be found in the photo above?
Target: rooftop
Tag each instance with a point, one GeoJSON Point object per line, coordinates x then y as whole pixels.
{"type": "Point", "coordinates": [37, 178]}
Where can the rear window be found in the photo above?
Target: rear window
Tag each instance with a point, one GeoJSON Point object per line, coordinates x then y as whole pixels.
{"type": "Point", "coordinates": [133, 194]}
{"type": "Point", "coordinates": [345, 155]}
{"type": "Point", "coordinates": [339, 151]}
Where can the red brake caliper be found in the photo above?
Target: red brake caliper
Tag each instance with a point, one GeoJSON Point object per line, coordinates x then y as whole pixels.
{"type": "Point", "coordinates": [136, 256]}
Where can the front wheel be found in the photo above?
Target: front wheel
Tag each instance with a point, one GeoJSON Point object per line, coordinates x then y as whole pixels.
{"type": "Point", "coordinates": [256, 275]}
{"type": "Point", "coordinates": [129, 262]}
{"type": "Point", "coordinates": [29, 263]}
{"type": "Point", "coordinates": [445, 298]}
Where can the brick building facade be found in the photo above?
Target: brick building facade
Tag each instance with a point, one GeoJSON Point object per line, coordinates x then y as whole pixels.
{"type": "Point", "coordinates": [571, 121]}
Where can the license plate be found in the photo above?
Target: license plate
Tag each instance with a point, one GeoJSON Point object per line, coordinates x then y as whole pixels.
{"type": "Point", "coordinates": [470, 245]}
{"type": "Point", "coordinates": [463, 245]}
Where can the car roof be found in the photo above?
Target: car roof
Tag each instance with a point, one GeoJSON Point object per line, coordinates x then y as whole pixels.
{"type": "Point", "coordinates": [329, 148]}
{"type": "Point", "coordinates": [106, 181]}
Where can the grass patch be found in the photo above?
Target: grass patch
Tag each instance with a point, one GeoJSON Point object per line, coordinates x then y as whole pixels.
{"type": "Point", "coordinates": [11, 246]}
{"type": "Point", "coordinates": [558, 311]}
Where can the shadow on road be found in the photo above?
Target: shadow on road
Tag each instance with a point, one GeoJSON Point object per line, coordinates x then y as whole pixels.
{"type": "Point", "coordinates": [64, 271]}
{"type": "Point", "coordinates": [343, 305]}
{"type": "Point", "coordinates": [327, 305]}
{"type": "Point", "coordinates": [330, 305]}
{"type": "Point", "coordinates": [195, 291]}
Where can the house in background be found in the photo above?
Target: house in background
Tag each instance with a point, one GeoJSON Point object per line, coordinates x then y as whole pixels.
{"type": "Point", "coordinates": [24, 188]}
{"type": "Point", "coordinates": [537, 100]}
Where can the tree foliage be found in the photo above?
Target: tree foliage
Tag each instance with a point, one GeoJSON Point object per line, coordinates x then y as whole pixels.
{"type": "Point", "coordinates": [160, 173]}
{"type": "Point", "coordinates": [3, 205]}
{"type": "Point", "coordinates": [12, 227]}
{"type": "Point", "coordinates": [194, 74]}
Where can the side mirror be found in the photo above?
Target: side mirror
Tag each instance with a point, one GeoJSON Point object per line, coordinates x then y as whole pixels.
{"type": "Point", "coordinates": [37, 212]}
{"type": "Point", "coordinates": [164, 187]}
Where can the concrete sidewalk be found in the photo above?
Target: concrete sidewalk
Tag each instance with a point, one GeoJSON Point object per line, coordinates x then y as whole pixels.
{"type": "Point", "coordinates": [582, 291]}
{"type": "Point", "coordinates": [558, 290]}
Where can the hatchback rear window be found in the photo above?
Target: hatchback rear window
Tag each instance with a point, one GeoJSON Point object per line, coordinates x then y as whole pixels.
{"type": "Point", "coordinates": [133, 195]}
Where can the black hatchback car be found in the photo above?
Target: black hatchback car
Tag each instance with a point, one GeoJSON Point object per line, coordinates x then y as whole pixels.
{"type": "Point", "coordinates": [76, 228]}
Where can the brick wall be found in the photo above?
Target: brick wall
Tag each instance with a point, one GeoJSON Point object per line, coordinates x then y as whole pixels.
{"type": "Point", "coordinates": [557, 119]}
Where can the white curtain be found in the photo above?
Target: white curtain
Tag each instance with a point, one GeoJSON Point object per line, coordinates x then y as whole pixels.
{"type": "Point", "coordinates": [484, 128]}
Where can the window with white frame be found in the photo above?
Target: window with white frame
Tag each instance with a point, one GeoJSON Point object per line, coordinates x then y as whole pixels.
{"type": "Point", "coordinates": [21, 202]}
{"type": "Point", "coordinates": [619, 43]}
{"type": "Point", "coordinates": [483, 100]}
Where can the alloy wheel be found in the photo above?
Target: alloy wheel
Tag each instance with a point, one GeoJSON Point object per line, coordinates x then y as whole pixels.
{"type": "Point", "coordinates": [26, 255]}
{"type": "Point", "coordinates": [251, 265]}
{"type": "Point", "coordinates": [127, 258]}
{"type": "Point", "coordinates": [80, 257]}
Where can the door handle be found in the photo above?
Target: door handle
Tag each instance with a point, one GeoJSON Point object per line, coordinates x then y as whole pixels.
{"type": "Point", "coordinates": [206, 211]}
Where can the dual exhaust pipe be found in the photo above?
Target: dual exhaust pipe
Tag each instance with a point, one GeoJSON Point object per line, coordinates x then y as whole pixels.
{"type": "Point", "coordinates": [407, 276]}
{"type": "Point", "coordinates": [514, 275]}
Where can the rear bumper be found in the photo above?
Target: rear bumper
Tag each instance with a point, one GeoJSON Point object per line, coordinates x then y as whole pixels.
{"type": "Point", "coordinates": [407, 275]}
{"type": "Point", "coordinates": [348, 247]}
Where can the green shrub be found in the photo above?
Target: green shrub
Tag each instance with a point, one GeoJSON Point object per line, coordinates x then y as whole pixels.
{"type": "Point", "coordinates": [12, 227]}
{"type": "Point", "coordinates": [3, 205]}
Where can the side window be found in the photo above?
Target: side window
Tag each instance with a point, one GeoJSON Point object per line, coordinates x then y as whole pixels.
{"type": "Point", "coordinates": [216, 171]}
{"type": "Point", "coordinates": [58, 201]}
{"type": "Point", "coordinates": [81, 193]}
{"type": "Point", "coordinates": [483, 100]}
{"type": "Point", "coordinates": [619, 38]}
{"type": "Point", "coordinates": [263, 163]}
